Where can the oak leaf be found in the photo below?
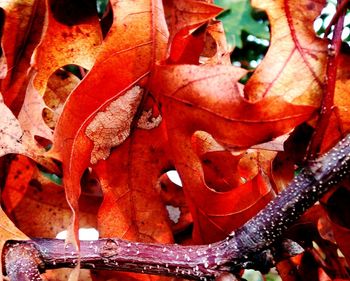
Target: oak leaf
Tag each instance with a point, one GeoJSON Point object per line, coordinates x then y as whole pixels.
{"type": "Point", "coordinates": [210, 99]}
{"type": "Point", "coordinates": [136, 40]}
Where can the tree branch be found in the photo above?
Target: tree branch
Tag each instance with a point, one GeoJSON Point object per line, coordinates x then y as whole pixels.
{"type": "Point", "coordinates": [247, 247]}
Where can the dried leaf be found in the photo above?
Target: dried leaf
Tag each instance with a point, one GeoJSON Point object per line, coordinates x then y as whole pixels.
{"type": "Point", "coordinates": [111, 127]}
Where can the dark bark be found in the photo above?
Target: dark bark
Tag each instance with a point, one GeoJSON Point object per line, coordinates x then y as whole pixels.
{"type": "Point", "coordinates": [22, 262]}
{"type": "Point", "coordinates": [247, 247]}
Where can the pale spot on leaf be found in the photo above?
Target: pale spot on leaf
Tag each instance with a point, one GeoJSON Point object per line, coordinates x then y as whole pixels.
{"type": "Point", "coordinates": [111, 127]}
{"type": "Point", "coordinates": [148, 123]}
{"type": "Point", "coordinates": [10, 131]}
{"type": "Point", "coordinates": [174, 213]}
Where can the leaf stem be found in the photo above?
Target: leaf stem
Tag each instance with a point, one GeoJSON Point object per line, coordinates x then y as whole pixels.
{"type": "Point", "coordinates": [329, 84]}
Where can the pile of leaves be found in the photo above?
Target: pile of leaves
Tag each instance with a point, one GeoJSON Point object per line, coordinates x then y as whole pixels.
{"type": "Point", "coordinates": [107, 104]}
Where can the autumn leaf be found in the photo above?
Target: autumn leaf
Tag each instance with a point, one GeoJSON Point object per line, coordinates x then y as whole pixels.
{"type": "Point", "coordinates": [293, 70]}
{"type": "Point", "coordinates": [66, 39]}
{"type": "Point", "coordinates": [17, 181]}
{"type": "Point", "coordinates": [14, 140]}
{"type": "Point", "coordinates": [51, 214]}
{"type": "Point", "coordinates": [339, 123]}
{"type": "Point", "coordinates": [19, 38]}
{"type": "Point", "coordinates": [62, 43]}
{"type": "Point", "coordinates": [187, 30]}
{"type": "Point", "coordinates": [140, 212]}
{"type": "Point", "coordinates": [192, 91]}
{"type": "Point", "coordinates": [132, 198]}
{"type": "Point", "coordinates": [137, 38]}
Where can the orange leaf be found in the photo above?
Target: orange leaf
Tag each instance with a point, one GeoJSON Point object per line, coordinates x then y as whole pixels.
{"type": "Point", "coordinates": [62, 43]}
{"type": "Point", "coordinates": [68, 38]}
{"type": "Point", "coordinates": [210, 100]}
{"type": "Point", "coordinates": [21, 33]}
{"type": "Point", "coordinates": [8, 231]}
{"type": "Point", "coordinates": [139, 211]}
{"type": "Point", "coordinates": [50, 213]}
{"type": "Point", "coordinates": [132, 207]}
{"type": "Point", "coordinates": [294, 65]}
{"type": "Point", "coordinates": [18, 177]}
{"type": "Point", "coordinates": [135, 41]}
{"type": "Point", "coordinates": [186, 37]}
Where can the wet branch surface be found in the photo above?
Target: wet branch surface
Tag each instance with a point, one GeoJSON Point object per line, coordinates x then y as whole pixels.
{"type": "Point", "coordinates": [248, 247]}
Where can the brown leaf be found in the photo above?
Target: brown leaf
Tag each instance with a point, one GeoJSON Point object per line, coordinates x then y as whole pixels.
{"type": "Point", "coordinates": [14, 140]}
{"type": "Point", "coordinates": [65, 42]}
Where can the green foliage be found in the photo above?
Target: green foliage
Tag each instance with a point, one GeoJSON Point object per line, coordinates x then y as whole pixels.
{"type": "Point", "coordinates": [238, 17]}
{"type": "Point", "coordinates": [101, 6]}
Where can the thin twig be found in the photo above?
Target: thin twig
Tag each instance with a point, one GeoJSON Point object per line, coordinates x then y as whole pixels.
{"type": "Point", "coordinates": [329, 85]}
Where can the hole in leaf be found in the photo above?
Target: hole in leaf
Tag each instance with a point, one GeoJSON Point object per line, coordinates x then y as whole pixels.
{"type": "Point", "coordinates": [53, 177]}
{"type": "Point", "coordinates": [324, 19]}
{"type": "Point", "coordinates": [43, 142]}
{"type": "Point", "coordinates": [247, 30]}
{"type": "Point", "coordinates": [175, 203]}
{"type": "Point", "coordinates": [90, 185]}
{"type": "Point", "coordinates": [174, 177]}
{"type": "Point", "coordinates": [60, 84]}
{"type": "Point", "coordinates": [77, 70]}
{"type": "Point", "coordinates": [105, 13]}
{"type": "Point", "coordinates": [174, 213]}
{"type": "Point", "coordinates": [75, 12]}
{"type": "Point", "coordinates": [84, 234]}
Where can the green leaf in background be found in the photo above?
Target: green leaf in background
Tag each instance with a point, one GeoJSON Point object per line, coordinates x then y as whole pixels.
{"type": "Point", "coordinates": [101, 6]}
{"type": "Point", "coordinates": [237, 17]}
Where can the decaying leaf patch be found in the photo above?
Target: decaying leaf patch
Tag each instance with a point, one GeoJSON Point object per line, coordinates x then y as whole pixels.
{"type": "Point", "coordinates": [112, 126]}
